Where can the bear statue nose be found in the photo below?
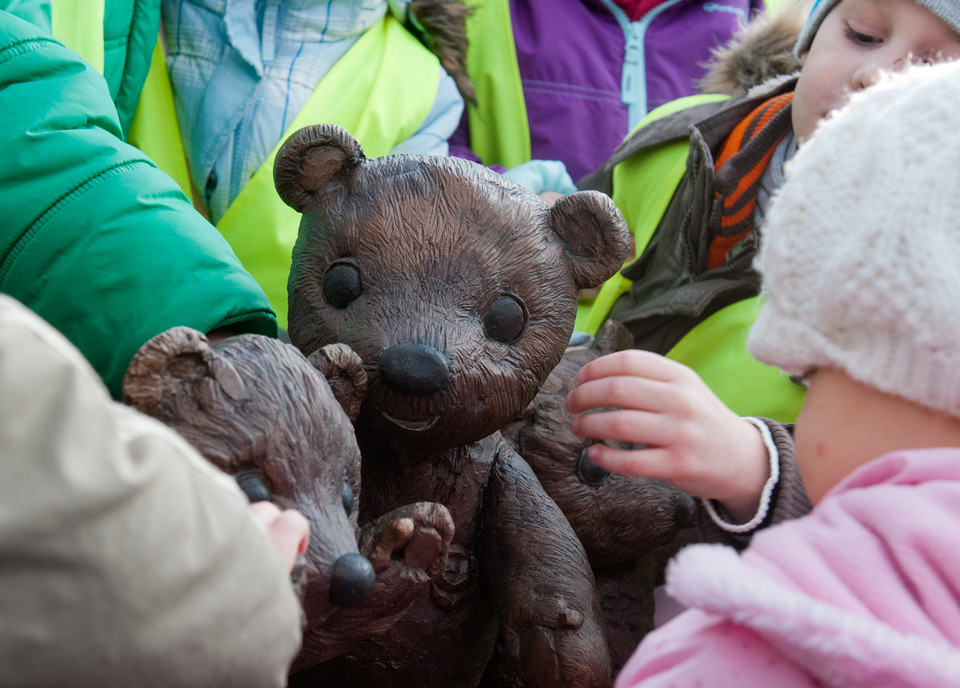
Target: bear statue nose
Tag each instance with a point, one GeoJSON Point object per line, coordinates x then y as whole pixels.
{"type": "Point", "coordinates": [351, 580]}
{"type": "Point", "coordinates": [414, 369]}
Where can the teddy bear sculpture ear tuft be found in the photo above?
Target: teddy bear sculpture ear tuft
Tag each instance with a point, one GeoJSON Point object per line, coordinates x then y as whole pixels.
{"type": "Point", "coordinates": [314, 161]}
{"type": "Point", "coordinates": [596, 236]}
{"type": "Point", "coordinates": [343, 370]}
{"type": "Point", "coordinates": [175, 356]}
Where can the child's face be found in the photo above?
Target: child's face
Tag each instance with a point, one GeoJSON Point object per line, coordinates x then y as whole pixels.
{"type": "Point", "coordinates": [857, 40]}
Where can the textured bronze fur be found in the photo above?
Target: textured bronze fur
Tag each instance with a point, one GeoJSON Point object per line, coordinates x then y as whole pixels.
{"type": "Point", "coordinates": [622, 522]}
{"type": "Point", "coordinates": [457, 288]}
{"type": "Point", "coordinates": [254, 406]}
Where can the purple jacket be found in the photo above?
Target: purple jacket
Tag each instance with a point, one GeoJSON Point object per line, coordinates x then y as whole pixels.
{"type": "Point", "coordinates": [860, 592]}
{"type": "Point", "coordinates": [589, 74]}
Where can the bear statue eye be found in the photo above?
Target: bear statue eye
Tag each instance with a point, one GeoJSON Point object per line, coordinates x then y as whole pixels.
{"type": "Point", "coordinates": [590, 472]}
{"type": "Point", "coordinates": [341, 285]}
{"type": "Point", "coordinates": [254, 487]}
{"type": "Point", "coordinates": [505, 320]}
{"type": "Point", "coordinates": [346, 495]}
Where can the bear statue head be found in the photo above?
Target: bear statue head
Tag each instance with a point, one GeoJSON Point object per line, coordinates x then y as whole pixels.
{"type": "Point", "coordinates": [457, 287]}
{"type": "Point", "coordinates": [280, 423]}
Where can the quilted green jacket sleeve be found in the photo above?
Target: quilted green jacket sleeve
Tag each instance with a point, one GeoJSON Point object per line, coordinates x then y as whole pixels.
{"type": "Point", "coordinates": [130, 31]}
{"type": "Point", "coordinates": [93, 236]}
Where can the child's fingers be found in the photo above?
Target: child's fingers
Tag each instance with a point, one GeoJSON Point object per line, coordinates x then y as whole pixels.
{"type": "Point", "coordinates": [288, 530]}
{"type": "Point", "coordinates": [652, 462]}
{"type": "Point", "coordinates": [291, 529]}
{"type": "Point", "coordinates": [640, 427]}
{"type": "Point", "coordinates": [620, 391]}
{"type": "Point", "coordinates": [659, 462]}
{"type": "Point", "coordinates": [633, 362]}
{"type": "Point", "coordinates": [290, 534]}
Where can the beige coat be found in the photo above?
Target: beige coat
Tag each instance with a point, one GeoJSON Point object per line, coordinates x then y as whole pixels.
{"type": "Point", "coordinates": [125, 559]}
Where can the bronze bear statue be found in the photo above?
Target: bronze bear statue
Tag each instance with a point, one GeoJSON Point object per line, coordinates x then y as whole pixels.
{"type": "Point", "coordinates": [282, 425]}
{"type": "Point", "coordinates": [628, 526]}
{"type": "Point", "coordinates": [458, 290]}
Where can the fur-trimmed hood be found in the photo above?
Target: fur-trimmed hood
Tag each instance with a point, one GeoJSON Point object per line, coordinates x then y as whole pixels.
{"type": "Point", "coordinates": [443, 27]}
{"type": "Point", "coordinates": [762, 50]}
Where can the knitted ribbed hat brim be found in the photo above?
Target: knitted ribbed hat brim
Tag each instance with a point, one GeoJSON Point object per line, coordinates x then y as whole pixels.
{"type": "Point", "coordinates": [947, 10]}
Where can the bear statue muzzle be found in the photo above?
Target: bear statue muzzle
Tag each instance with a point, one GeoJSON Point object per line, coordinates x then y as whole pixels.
{"type": "Point", "coordinates": [416, 369]}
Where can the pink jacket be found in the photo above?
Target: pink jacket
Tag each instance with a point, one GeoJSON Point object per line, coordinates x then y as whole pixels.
{"type": "Point", "coordinates": [863, 591]}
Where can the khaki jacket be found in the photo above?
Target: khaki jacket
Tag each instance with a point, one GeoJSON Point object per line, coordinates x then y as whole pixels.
{"type": "Point", "coordinates": [125, 558]}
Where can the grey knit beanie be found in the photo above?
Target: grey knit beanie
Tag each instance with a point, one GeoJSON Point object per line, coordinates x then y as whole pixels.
{"type": "Point", "coordinates": [947, 10]}
{"type": "Point", "coordinates": [860, 251]}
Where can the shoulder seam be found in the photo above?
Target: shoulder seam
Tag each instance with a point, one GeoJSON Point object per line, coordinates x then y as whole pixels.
{"type": "Point", "coordinates": [25, 45]}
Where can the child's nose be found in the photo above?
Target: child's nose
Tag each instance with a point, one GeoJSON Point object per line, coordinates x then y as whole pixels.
{"type": "Point", "coordinates": [871, 69]}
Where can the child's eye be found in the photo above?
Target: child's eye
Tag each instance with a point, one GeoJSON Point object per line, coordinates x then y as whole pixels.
{"type": "Point", "coordinates": [861, 38]}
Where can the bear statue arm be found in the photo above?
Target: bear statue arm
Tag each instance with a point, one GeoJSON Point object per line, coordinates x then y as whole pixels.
{"type": "Point", "coordinates": [537, 574]}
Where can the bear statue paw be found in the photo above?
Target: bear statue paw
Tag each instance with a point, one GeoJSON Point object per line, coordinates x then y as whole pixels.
{"type": "Point", "coordinates": [546, 648]}
{"type": "Point", "coordinates": [410, 543]}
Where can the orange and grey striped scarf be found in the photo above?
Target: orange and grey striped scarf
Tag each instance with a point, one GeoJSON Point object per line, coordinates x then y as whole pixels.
{"type": "Point", "coordinates": [740, 166]}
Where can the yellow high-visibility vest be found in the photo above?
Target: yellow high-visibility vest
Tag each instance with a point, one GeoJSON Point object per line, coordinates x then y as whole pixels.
{"type": "Point", "coordinates": [380, 91]}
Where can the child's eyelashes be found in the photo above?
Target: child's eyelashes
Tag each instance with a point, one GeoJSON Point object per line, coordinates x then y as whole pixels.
{"type": "Point", "coordinates": [861, 38]}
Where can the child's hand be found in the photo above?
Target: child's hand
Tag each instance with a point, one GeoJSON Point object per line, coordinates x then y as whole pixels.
{"type": "Point", "coordinates": [692, 439]}
{"type": "Point", "coordinates": [288, 530]}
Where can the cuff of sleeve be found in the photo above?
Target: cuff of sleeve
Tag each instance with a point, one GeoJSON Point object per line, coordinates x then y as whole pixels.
{"type": "Point", "coordinates": [765, 494]}
{"type": "Point", "coordinates": [541, 176]}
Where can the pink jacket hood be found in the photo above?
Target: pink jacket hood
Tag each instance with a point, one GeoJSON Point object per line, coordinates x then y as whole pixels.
{"type": "Point", "coordinates": [863, 591]}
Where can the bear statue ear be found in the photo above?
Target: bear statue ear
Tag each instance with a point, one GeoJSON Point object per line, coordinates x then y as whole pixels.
{"type": "Point", "coordinates": [175, 357]}
{"type": "Point", "coordinates": [343, 369]}
{"type": "Point", "coordinates": [613, 337]}
{"type": "Point", "coordinates": [595, 234]}
{"type": "Point", "coordinates": [312, 161]}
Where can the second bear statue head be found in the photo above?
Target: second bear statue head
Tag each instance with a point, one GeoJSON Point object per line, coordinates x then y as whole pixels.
{"type": "Point", "coordinates": [281, 424]}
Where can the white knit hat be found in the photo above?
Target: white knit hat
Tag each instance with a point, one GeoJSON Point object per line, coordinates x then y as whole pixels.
{"type": "Point", "coordinates": [860, 252]}
{"type": "Point", "coordinates": [947, 10]}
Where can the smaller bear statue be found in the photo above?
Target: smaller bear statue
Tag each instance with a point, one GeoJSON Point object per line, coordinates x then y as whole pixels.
{"type": "Point", "coordinates": [458, 289]}
{"type": "Point", "coordinates": [280, 423]}
{"type": "Point", "coordinates": [627, 525]}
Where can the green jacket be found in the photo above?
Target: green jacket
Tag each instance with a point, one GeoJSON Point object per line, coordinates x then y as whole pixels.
{"type": "Point", "coordinates": [95, 239]}
{"type": "Point", "coordinates": [662, 178]}
{"type": "Point", "coordinates": [129, 32]}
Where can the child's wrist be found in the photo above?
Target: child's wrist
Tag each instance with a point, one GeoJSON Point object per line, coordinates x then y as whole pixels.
{"type": "Point", "coordinates": [749, 511]}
